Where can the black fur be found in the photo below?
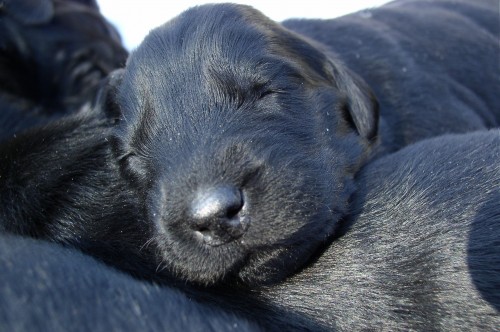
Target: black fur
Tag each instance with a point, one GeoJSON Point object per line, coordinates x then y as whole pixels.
{"type": "Point", "coordinates": [53, 55]}
{"type": "Point", "coordinates": [57, 178]}
{"type": "Point", "coordinates": [420, 252]}
{"type": "Point", "coordinates": [432, 64]}
{"type": "Point", "coordinates": [44, 287]}
{"type": "Point", "coordinates": [60, 182]}
{"type": "Point", "coordinates": [222, 106]}
{"type": "Point", "coordinates": [222, 97]}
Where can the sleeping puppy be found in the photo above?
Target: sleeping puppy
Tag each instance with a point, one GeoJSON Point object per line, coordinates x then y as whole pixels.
{"type": "Point", "coordinates": [420, 251]}
{"type": "Point", "coordinates": [291, 154]}
{"type": "Point", "coordinates": [241, 138]}
{"type": "Point", "coordinates": [53, 56]}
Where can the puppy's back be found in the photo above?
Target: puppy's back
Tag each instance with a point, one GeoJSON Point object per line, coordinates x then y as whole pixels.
{"type": "Point", "coordinates": [433, 65]}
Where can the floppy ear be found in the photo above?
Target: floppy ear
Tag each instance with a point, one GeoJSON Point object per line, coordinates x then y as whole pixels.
{"type": "Point", "coordinates": [29, 11]}
{"type": "Point", "coordinates": [105, 100]}
{"type": "Point", "coordinates": [362, 107]}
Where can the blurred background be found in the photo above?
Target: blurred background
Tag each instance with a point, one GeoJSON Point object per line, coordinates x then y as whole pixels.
{"type": "Point", "coordinates": [134, 19]}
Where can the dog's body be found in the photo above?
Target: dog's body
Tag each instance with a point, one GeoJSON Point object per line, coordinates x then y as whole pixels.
{"type": "Point", "coordinates": [242, 138]}
{"type": "Point", "coordinates": [53, 56]}
{"type": "Point", "coordinates": [433, 65]}
{"type": "Point", "coordinates": [421, 250]}
{"type": "Point", "coordinates": [57, 179]}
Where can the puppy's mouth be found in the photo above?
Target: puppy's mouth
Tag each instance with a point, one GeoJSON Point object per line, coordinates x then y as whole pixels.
{"type": "Point", "coordinates": [223, 232]}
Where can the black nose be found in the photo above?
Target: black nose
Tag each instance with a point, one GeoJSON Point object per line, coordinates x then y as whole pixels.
{"type": "Point", "coordinates": [217, 215]}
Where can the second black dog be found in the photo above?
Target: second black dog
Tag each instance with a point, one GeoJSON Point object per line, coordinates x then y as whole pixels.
{"type": "Point", "coordinates": [53, 56]}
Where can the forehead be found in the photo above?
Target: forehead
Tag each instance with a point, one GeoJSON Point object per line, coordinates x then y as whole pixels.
{"type": "Point", "coordinates": [209, 35]}
{"type": "Point", "coordinates": [193, 47]}
{"type": "Point", "coordinates": [199, 56]}
{"type": "Point", "coordinates": [197, 71]}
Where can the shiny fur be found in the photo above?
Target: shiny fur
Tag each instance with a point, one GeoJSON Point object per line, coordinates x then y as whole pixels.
{"type": "Point", "coordinates": [223, 97]}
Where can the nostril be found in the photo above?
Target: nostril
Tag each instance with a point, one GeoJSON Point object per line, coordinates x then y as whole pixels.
{"type": "Point", "coordinates": [234, 209]}
{"type": "Point", "coordinates": [216, 214]}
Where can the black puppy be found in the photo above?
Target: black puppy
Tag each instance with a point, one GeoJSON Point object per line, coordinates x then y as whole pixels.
{"type": "Point", "coordinates": [421, 251]}
{"type": "Point", "coordinates": [53, 55]}
{"type": "Point", "coordinates": [241, 138]}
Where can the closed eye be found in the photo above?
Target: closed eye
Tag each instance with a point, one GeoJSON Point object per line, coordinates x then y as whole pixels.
{"type": "Point", "coordinates": [267, 93]}
{"type": "Point", "coordinates": [262, 90]}
{"type": "Point", "coordinates": [124, 157]}
{"type": "Point", "coordinates": [133, 168]}
{"type": "Point", "coordinates": [263, 93]}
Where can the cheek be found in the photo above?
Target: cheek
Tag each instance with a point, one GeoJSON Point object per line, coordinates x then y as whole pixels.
{"type": "Point", "coordinates": [286, 199]}
{"type": "Point", "coordinates": [153, 198]}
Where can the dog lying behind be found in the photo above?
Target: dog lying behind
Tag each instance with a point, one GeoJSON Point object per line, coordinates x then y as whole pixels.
{"type": "Point", "coordinates": [69, 291]}
{"type": "Point", "coordinates": [53, 55]}
{"type": "Point", "coordinates": [241, 138]}
{"type": "Point", "coordinates": [424, 60]}
{"type": "Point", "coordinates": [421, 250]}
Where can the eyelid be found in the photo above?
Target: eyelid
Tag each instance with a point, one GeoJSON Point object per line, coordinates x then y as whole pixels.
{"type": "Point", "coordinates": [126, 155]}
{"type": "Point", "coordinates": [270, 91]}
{"type": "Point", "coordinates": [265, 93]}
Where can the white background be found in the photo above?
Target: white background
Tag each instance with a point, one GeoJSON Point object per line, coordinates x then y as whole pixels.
{"type": "Point", "coordinates": [135, 18]}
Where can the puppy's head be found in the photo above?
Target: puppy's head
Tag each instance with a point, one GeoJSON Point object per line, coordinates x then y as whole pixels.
{"type": "Point", "coordinates": [241, 139]}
